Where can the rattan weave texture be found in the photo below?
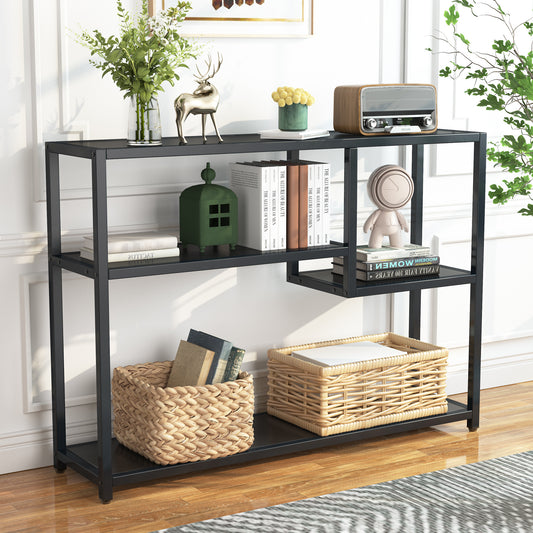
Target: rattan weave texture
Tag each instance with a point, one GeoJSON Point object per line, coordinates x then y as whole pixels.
{"type": "Point", "coordinates": [330, 400]}
{"type": "Point", "coordinates": [170, 425]}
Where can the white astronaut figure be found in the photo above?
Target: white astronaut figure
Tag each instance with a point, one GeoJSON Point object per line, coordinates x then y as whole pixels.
{"type": "Point", "coordinates": [389, 187]}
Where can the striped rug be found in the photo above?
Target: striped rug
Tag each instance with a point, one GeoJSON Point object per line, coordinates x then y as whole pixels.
{"type": "Point", "coordinates": [494, 496]}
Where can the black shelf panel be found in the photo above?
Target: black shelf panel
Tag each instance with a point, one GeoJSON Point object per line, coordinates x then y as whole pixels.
{"type": "Point", "coordinates": [250, 143]}
{"type": "Point", "coordinates": [273, 437]}
{"type": "Point", "coordinates": [192, 260]}
{"type": "Point", "coordinates": [323, 280]}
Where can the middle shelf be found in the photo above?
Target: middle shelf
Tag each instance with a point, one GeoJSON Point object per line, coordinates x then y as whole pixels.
{"type": "Point", "coordinates": [323, 280]}
{"type": "Point", "coordinates": [191, 260]}
{"type": "Point", "coordinates": [212, 258]}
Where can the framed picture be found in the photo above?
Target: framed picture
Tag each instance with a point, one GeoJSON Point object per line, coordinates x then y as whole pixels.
{"type": "Point", "coordinates": [245, 18]}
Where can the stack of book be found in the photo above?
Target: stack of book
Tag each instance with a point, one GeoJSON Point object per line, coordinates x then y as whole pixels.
{"type": "Point", "coordinates": [282, 204]}
{"type": "Point", "coordinates": [205, 359]}
{"type": "Point", "coordinates": [387, 262]}
{"type": "Point", "coordinates": [134, 246]}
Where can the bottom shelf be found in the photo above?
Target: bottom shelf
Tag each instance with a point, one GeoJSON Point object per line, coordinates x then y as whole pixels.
{"type": "Point", "coordinates": [273, 437]}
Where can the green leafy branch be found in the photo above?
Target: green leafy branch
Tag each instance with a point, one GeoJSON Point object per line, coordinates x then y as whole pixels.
{"type": "Point", "coordinates": [502, 81]}
{"type": "Point", "coordinates": [147, 53]}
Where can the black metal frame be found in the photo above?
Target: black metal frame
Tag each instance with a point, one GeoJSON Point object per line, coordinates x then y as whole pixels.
{"type": "Point", "coordinates": [107, 463]}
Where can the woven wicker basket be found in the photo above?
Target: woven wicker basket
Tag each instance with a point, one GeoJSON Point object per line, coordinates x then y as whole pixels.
{"type": "Point", "coordinates": [170, 425]}
{"type": "Point", "coordinates": [330, 400]}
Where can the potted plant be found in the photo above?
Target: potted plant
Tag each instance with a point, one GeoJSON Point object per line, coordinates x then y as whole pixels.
{"type": "Point", "coordinates": [502, 80]}
{"type": "Point", "coordinates": [293, 105]}
{"type": "Point", "coordinates": [148, 52]}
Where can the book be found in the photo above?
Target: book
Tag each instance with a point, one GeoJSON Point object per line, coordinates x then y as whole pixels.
{"type": "Point", "coordinates": [233, 367]}
{"type": "Point", "coordinates": [306, 134]}
{"type": "Point", "coordinates": [252, 185]}
{"type": "Point", "coordinates": [325, 203]}
{"type": "Point", "coordinates": [303, 204]}
{"type": "Point", "coordinates": [394, 273]}
{"type": "Point", "coordinates": [318, 203]}
{"type": "Point", "coordinates": [387, 264]}
{"type": "Point", "coordinates": [282, 183]}
{"type": "Point", "coordinates": [271, 176]}
{"type": "Point", "coordinates": [191, 365]}
{"type": "Point", "coordinates": [342, 354]}
{"type": "Point", "coordinates": [365, 253]}
{"type": "Point", "coordinates": [143, 255]}
{"type": "Point", "coordinates": [220, 347]}
{"type": "Point", "coordinates": [133, 242]}
{"type": "Point", "coordinates": [292, 205]}
{"type": "Point", "coordinates": [279, 203]}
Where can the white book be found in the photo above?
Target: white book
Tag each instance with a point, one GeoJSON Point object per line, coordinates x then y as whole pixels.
{"type": "Point", "coordinates": [311, 201]}
{"type": "Point", "coordinates": [274, 207]}
{"type": "Point", "coordinates": [131, 242]}
{"type": "Point", "coordinates": [342, 354]}
{"type": "Point", "coordinates": [318, 198]}
{"type": "Point", "coordinates": [325, 203]}
{"type": "Point", "coordinates": [252, 186]}
{"type": "Point", "coordinates": [139, 255]}
{"type": "Point", "coordinates": [364, 253]}
{"type": "Point", "coordinates": [282, 185]}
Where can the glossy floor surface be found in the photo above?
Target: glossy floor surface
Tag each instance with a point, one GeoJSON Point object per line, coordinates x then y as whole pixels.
{"type": "Point", "coordinates": [43, 501]}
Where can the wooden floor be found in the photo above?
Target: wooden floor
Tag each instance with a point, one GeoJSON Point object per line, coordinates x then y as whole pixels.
{"type": "Point", "coordinates": [43, 501]}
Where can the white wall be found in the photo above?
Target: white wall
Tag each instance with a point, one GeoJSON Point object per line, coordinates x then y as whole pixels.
{"type": "Point", "coordinates": [50, 92]}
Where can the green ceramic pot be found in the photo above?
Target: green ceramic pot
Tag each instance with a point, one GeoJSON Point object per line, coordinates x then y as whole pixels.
{"type": "Point", "coordinates": [292, 117]}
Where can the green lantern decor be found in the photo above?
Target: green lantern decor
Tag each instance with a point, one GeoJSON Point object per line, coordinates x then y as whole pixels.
{"type": "Point", "coordinates": [208, 214]}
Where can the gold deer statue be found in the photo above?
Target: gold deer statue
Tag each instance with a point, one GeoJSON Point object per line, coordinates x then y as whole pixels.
{"type": "Point", "coordinates": [203, 101]}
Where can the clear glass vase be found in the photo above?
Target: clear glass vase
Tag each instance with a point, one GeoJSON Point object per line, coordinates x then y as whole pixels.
{"type": "Point", "coordinates": [144, 122]}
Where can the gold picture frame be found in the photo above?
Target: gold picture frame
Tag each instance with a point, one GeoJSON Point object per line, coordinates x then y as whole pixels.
{"type": "Point", "coordinates": [272, 18]}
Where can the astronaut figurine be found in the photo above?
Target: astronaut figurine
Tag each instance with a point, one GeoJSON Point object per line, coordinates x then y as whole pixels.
{"type": "Point", "coordinates": [389, 187]}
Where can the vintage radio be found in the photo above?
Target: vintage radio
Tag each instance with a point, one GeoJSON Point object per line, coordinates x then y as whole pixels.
{"type": "Point", "coordinates": [385, 109]}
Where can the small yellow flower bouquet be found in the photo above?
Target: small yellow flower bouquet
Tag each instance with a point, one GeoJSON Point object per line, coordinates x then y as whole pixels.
{"type": "Point", "coordinates": [293, 104]}
{"type": "Point", "coordinates": [287, 96]}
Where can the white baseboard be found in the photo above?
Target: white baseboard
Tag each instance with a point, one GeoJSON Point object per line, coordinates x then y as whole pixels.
{"type": "Point", "coordinates": [25, 450]}
{"type": "Point", "coordinates": [495, 372]}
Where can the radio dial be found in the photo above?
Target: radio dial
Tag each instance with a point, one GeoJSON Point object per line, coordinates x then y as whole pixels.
{"type": "Point", "coordinates": [371, 123]}
{"type": "Point", "coordinates": [427, 121]}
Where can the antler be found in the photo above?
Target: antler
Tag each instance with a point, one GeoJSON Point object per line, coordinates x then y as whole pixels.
{"type": "Point", "coordinates": [208, 75]}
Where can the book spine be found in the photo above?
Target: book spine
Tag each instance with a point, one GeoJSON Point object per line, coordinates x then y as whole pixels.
{"type": "Point", "coordinates": [390, 254]}
{"type": "Point", "coordinates": [292, 206]}
{"type": "Point", "coordinates": [398, 273]}
{"type": "Point", "coordinates": [311, 212]}
{"type": "Point", "coordinates": [404, 262]}
{"type": "Point", "coordinates": [134, 245]}
{"type": "Point", "coordinates": [233, 367]}
{"type": "Point", "coordinates": [266, 194]}
{"type": "Point", "coordinates": [133, 256]}
{"type": "Point", "coordinates": [303, 183]}
{"type": "Point", "coordinates": [274, 207]}
{"type": "Point", "coordinates": [282, 184]}
{"type": "Point", "coordinates": [319, 207]}
{"type": "Point", "coordinates": [325, 203]}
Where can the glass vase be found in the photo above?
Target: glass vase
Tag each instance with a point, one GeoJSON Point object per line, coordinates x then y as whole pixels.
{"type": "Point", "coordinates": [144, 122]}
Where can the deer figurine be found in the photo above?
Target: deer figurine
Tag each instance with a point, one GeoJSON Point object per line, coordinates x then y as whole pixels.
{"type": "Point", "coordinates": [203, 101]}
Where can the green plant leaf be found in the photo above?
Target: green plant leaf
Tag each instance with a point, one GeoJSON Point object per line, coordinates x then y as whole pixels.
{"type": "Point", "coordinates": [451, 16]}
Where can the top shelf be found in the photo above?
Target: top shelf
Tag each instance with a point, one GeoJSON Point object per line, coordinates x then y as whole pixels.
{"type": "Point", "coordinates": [249, 143]}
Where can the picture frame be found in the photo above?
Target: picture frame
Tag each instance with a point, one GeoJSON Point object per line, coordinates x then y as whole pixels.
{"type": "Point", "coordinates": [271, 18]}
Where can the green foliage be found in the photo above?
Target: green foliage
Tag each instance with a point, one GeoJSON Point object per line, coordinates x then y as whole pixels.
{"type": "Point", "coordinates": [147, 53]}
{"type": "Point", "coordinates": [502, 81]}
